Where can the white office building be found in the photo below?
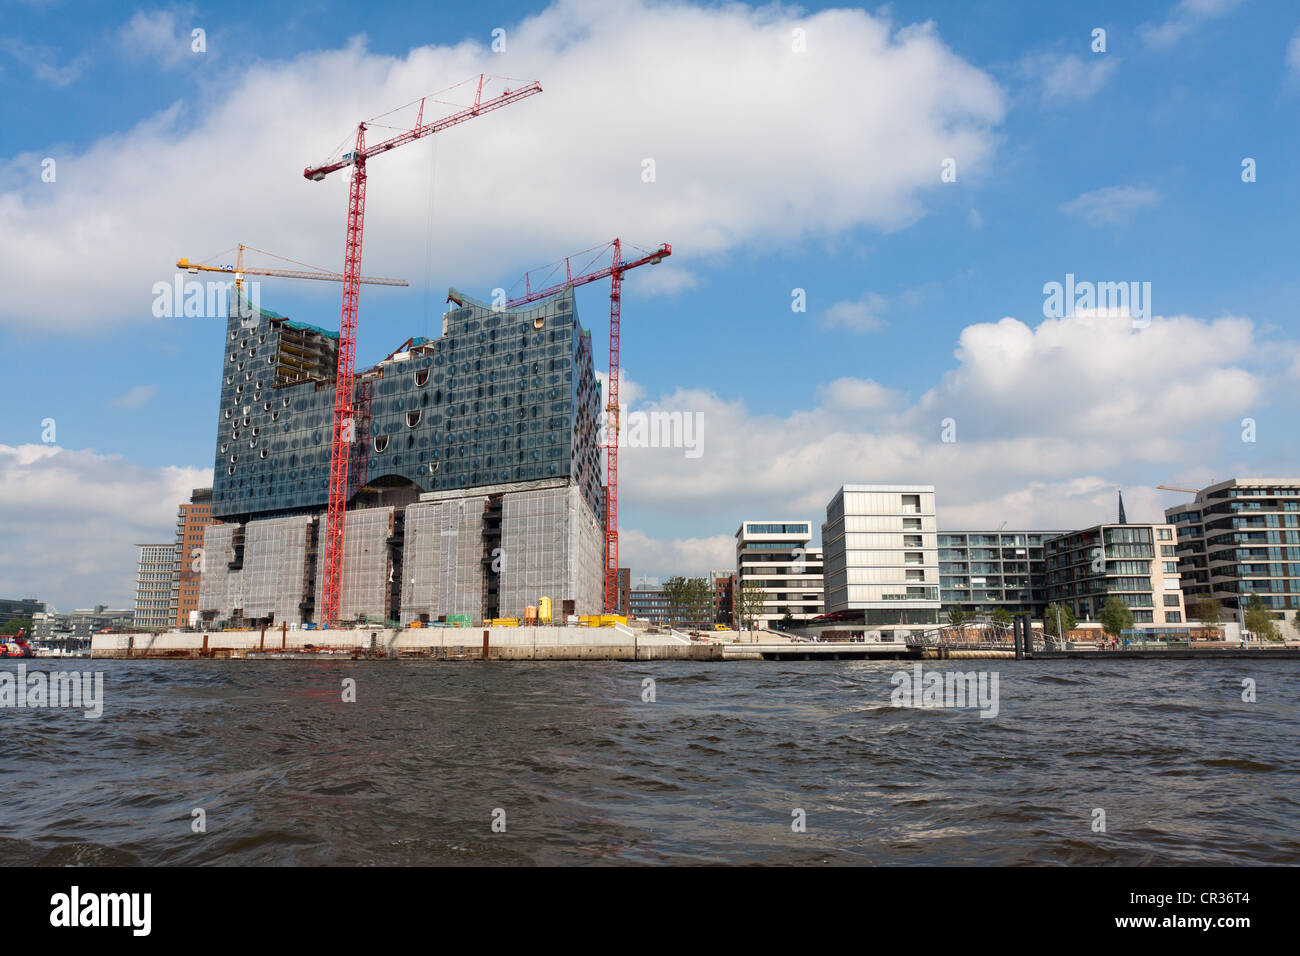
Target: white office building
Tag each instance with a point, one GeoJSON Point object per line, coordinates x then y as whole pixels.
{"type": "Point", "coordinates": [881, 558]}
{"type": "Point", "coordinates": [776, 556]}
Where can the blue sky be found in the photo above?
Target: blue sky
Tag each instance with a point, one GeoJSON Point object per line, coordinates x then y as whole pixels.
{"type": "Point", "coordinates": [777, 170]}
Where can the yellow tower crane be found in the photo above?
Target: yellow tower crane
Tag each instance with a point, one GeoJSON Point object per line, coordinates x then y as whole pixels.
{"type": "Point", "coordinates": [239, 270]}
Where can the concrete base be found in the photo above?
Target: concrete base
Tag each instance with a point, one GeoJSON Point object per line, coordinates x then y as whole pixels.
{"type": "Point", "coordinates": [451, 643]}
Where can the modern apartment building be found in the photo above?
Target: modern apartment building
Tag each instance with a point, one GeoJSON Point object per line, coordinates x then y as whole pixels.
{"type": "Point", "coordinates": [192, 518]}
{"type": "Point", "coordinates": [24, 607]}
{"type": "Point", "coordinates": [776, 556]}
{"type": "Point", "coordinates": [986, 570]}
{"type": "Point", "coordinates": [1239, 538]}
{"type": "Point", "coordinates": [882, 557]}
{"type": "Point", "coordinates": [647, 602]}
{"type": "Point", "coordinates": [81, 623]}
{"type": "Point", "coordinates": [1137, 563]}
{"type": "Point", "coordinates": [153, 586]}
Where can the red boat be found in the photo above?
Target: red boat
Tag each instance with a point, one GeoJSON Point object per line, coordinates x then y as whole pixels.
{"type": "Point", "coordinates": [18, 647]}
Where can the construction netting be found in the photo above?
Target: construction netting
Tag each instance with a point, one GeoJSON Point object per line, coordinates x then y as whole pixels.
{"type": "Point", "coordinates": [275, 566]}
{"type": "Point", "coordinates": [366, 581]}
{"type": "Point", "coordinates": [220, 589]}
{"type": "Point", "coordinates": [442, 561]}
{"type": "Point", "coordinates": [553, 548]}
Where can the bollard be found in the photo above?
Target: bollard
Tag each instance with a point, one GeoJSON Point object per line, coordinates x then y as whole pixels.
{"type": "Point", "coordinates": [284, 632]}
{"type": "Point", "coordinates": [485, 645]}
{"type": "Point", "coordinates": [262, 645]}
{"type": "Point", "coordinates": [204, 652]}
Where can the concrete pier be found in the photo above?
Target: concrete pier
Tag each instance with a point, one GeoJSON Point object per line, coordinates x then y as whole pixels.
{"type": "Point", "coordinates": [430, 643]}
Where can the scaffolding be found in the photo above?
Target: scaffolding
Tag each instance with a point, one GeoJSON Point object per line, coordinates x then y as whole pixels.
{"type": "Point", "coordinates": [366, 585]}
{"type": "Point", "coordinates": [220, 588]}
{"type": "Point", "coordinates": [443, 560]}
{"type": "Point", "coordinates": [275, 563]}
{"type": "Point", "coordinates": [553, 546]}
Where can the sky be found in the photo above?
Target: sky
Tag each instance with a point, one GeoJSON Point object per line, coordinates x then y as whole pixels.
{"type": "Point", "coordinates": [867, 208]}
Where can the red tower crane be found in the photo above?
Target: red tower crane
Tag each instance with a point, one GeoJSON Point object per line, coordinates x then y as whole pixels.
{"type": "Point", "coordinates": [614, 272]}
{"type": "Point", "coordinates": [341, 443]}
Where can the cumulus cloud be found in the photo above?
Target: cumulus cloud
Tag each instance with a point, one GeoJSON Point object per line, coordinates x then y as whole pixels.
{"type": "Point", "coordinates": [1071, 77]}
{"type": "Point", "coordinates": [752, 142]}
{"type": "Point", "coordinates": [862, 315]}
{"type": "Point", "coordinates": [666, 557]}
{"type": "Point", "coordinates": [1183, 19]}
{"type": "Point", "coordinates": [1049, 421]}
{"type": "Point", "coordinates": [159, 36]}
{"type": "Point", "coordinates": [43, 61]}
{"type": "Point", "coordinates": [1111, 205]}
{"type": "Point", "coordinates": [135, 397]}
{"type": "Point", "coordinates": [72, 519]}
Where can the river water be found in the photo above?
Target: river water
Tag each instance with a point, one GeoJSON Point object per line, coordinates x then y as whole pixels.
{"type": "Point", "coordinates": [775, 763]}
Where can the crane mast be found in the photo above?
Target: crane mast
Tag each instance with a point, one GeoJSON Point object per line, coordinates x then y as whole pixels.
{"type": "Point", "coordinates": [614, 272]}
{"type": "Point", "coordinates": [344, 425]}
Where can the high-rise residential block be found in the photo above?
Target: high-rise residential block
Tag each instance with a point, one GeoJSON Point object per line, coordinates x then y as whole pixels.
{"type": "Point", "coordinates": [882, 558]}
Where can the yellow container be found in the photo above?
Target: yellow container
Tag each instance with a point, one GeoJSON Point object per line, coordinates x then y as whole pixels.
{"type": "Point", "coordinates": [417, 624]}
{"type": "Point", "coordinates": [504, 622]}
{"type": "Point", "coordinates": [544, 610]}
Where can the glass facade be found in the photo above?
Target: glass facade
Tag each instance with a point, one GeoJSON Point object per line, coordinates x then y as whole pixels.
{"type": "Point", "coordinates": [501, 396]}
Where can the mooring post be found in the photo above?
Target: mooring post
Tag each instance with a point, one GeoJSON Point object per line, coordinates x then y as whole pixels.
{"type": "Point", "coordinates": [1015, 634]}
{"type": "Point", "coordinates": [262, 646]}
{"type": "Point", "coordinates": [485, 645]}
{"type": "Point", "coordinates": [205, 646]}
{"type": "Point", "coordinates": [1029, 634]}
{"type": "Point", "coordinates": [284, 633]}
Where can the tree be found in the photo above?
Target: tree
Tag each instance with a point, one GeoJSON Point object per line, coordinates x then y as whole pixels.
{"type": "Point", "coordinates": [15, 623]}
{"type": "Point", "coordinates": [957, 615]}
{"type": "Point", "coordinates": [699, 601]}
{"type": "Point", "coordinates": [1000, 616]}
{"type": "Point", "coordinates": [1115, 617]}
{"type": "Point", "coordinates": [1057, 618]}
{"type": "Point", "coordinates": [747, 603]}
{"type": "Point", "coordinates": [1207, 610]}
{"type": "Point", "coordinates": [677, 595]}
{"type": "Point", "coordinates": [787, 621]}
{"type": "Point", "coordinates": [1259, 620]}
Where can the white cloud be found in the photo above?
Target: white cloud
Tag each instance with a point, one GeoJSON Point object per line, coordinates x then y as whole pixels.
{"type": "Point", "coordinates": [43, 62]}
{"type": "Point", "coordinates": [730, 127]}
{"type": "Point", "coordinates": [856, 394]}
{"type": "Point", "coordinates": [159, 36]}
{"type": "Point", "coordinates": [1293, 54]}
{"type": "Point", "coordinates": [1071, 77]}
{"type": "Point", "coordinates": [1050, 421]}
{"type": "Point", "coordinates": [1184, 18]}
{"type": "Point", "coordinates": [135, 397]}
{"type": "Point", "coordinates": [1111, 205]}
{"type": "Point", "coordinates": [72, 518]}
{"type": "Point", "coordinates": [864, 315]}
{"type": "Point", "coordinates": [694, 556]}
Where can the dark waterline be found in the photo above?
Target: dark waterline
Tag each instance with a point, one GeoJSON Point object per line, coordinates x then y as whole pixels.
{"type": "Point", "coordinates": [287, 773]}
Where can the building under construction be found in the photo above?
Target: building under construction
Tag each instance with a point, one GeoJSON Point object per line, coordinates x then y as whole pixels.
{"type": "Point", "coordinates": [475, 485]}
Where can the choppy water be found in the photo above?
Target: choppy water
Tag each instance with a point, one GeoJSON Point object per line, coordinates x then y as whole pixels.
{"type": "Point", "coordinates": [710, 772]}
